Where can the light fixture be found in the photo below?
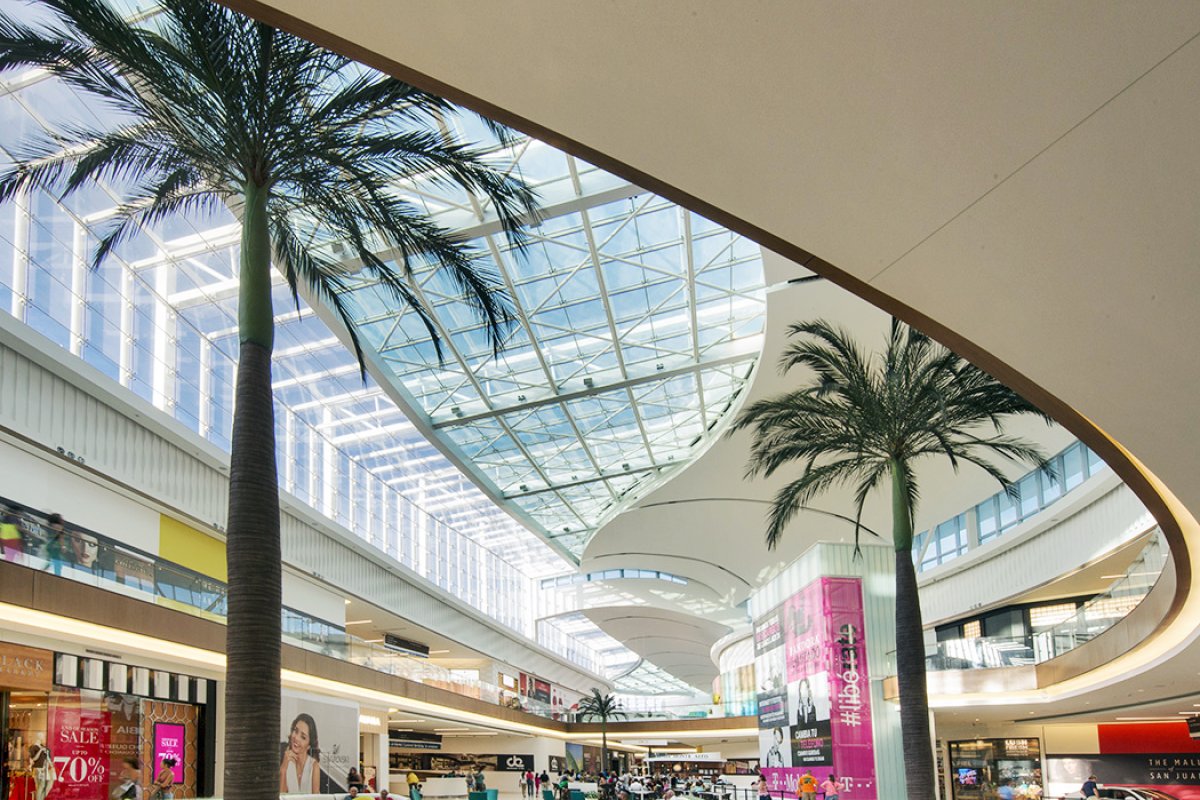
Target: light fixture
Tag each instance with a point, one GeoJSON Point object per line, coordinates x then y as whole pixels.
{"type": "Point", "coordinates": [360, 622]}
{"type": "Point", "coordinates": [437, 652]}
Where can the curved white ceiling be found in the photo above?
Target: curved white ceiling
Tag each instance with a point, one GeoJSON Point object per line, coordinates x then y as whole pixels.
{"type": "Point", "coordinates": [1020, 176]}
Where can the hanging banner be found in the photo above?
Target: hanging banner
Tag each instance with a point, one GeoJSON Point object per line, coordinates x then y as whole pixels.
{"type": "Point", "coordinates": [814, 707]}
{"type": "Point", "coordinates": [168, 743]}
{"type": "Point", "coordinates": [318, 744]}
{"type": "Point", "coordinates": [78, 734]}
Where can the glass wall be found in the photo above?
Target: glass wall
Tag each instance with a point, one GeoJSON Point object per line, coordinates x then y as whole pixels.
{"type": "Point", "coordinates": [1001, 512]}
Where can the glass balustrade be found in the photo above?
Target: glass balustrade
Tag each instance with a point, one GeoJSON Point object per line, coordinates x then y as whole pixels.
{"type": "Point", "coordinates": [82, 555]}
{"type": "Point", "coordinates": [1090, 620]}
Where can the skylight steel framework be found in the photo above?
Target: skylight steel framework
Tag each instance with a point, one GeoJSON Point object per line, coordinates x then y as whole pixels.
{"type": "Point", "coordinates": [637, 324]}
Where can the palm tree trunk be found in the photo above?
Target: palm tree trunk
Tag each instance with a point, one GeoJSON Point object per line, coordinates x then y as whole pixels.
{"type": "Point", "coordinates": [604, 745]}
{"type": "Point", "coordinates": [910, 649]}
{"type": "Point", "coordinates": [252, 636]}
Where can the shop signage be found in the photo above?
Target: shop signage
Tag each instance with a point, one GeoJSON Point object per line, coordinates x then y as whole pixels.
{"type": "Point", "coordinates": [415, 740]}
{"type": "Point", "coordinates": [168, 743]}
{"type": "Point", "coordinates": [79, 739]}
{"type": "Point", "coordinates": [691, 757]}
{"type": "Point", "coordinates": [25, 668]}
{"type": "Point", "coordinates": [514, 762]}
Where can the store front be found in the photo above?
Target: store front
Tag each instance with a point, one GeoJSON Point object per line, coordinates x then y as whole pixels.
{"type": "Point", "coordinates": [979, 767]}
{"type": "Point", "coordinates": [88, 729]}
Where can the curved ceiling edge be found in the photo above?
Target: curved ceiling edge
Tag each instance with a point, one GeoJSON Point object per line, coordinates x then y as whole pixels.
{"type": "Point", "coordinates": [1179, 525]}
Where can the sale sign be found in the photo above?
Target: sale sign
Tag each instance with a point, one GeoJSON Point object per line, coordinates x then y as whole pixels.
{"type": "Point", "coordinates": [168, 743]}
{"type": "Point", "coordinates": [78, 735]}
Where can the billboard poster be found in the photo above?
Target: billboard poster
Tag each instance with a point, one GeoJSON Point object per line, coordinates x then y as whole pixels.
{"type": "Point", "coordinates": [318, 744]}
{"type": "Point", "coordinates": [78, 735]}
{"type": "Point", "coordinates": [1177, 774]}
{"type": "Point", "coordinates": [169, 741]}
{"type": "Point", "coordinates": [814, 709]}
{"type": "Point", "coordinates": [574, 759]}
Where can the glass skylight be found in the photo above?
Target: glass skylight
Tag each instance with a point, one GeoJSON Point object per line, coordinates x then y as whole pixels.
{"type": "Point", "coordinates": [638, 326]}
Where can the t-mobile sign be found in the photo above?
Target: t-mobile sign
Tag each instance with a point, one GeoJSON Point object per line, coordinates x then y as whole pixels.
{"type": "Point", "coordinates": [168, 743]}
{"type": "Point", "coordinates": [814, 706]}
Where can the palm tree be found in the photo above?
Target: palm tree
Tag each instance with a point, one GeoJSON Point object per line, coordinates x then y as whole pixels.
{"type": "Point", "coordinates": [864, 420]}
{"type": "Point", "coordinates": [218, 111]}
{"type": "Point", "coordinates": [603, 707]}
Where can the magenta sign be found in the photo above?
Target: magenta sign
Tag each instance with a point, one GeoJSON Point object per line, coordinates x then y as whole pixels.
{"type": "Point", "coordinates": [169, 743]}
{"type": "Point", "coordinates": [814, 705]}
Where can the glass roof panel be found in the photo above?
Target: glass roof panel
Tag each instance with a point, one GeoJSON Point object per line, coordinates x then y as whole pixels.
{"type": "Point", "coordinates": [637, 323]}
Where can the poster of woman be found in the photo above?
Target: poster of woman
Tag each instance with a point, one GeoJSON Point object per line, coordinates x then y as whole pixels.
{"type": "Point", "coordinates": [318, 744]}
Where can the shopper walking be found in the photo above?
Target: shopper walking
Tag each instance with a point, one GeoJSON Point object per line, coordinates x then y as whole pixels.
{"type": "Point", "coordinates": [11, 536]}
{"type": "Point", "coordinates": [832, 787]}
{"type": "Point", "coordinates": [163, 787]}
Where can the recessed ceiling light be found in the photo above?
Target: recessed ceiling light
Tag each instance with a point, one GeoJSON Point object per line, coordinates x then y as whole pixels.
{"type": "Point", "coordinates": [360, 622]}
{"type": "Point", "coordinates": [454, 730]}
{"type": "Point", "coordinates": [347, 602]}
{"type": "Point", "coordinates": [437, 652]}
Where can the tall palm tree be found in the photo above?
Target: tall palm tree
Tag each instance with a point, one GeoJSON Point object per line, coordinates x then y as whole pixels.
{"type": "Point", "coordinates": [603, 707]}
{"type": "Point", "coordinates": [866, 420]}
{"type": "Point", "coordinates": [219, 111]}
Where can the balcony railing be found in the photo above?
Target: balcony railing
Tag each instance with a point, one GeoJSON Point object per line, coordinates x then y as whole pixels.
{"type": "Point", "coordinates": [82, 555]}
{"type": "Point", "coordinates": [1090, 620]}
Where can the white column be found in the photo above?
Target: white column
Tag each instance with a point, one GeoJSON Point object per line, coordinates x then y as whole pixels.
{"type": "Point", "coordinates": [78, 287]}
{"type": "Point", "coordinates": [20, 276]}
{"type": "Point", "coordinates": [382, 775]}
{"type": "Point", "coordinates": [329, 474]}
{"type": "Point", "coordinates": [164, 339]}
{"type": "Point", "coordinates": [204, 413]}
{"type": "Point", "coordinates": [127, 316]}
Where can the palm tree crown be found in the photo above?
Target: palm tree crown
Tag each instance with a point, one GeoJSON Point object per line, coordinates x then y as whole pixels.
{"type": "Point", "coordinates": [603, 707]}
{"type": "Point", "coordinates": [863, 418]}
{"type": "Point", "coordinates": [866, 419]}
{"type": "Point", "coordinates": [600, 706]}
{"type": "Point", "coordinates": [213, 106]}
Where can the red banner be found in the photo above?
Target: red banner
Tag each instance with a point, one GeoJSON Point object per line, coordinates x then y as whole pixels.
{"type": "Point", "coordinates": [78, 735]}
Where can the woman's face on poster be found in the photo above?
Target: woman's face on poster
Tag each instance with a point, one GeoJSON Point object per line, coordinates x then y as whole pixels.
{"type": "Point", "coordinates": [298, 741]}
{"type": "Point", "coordinates": [86, 548]}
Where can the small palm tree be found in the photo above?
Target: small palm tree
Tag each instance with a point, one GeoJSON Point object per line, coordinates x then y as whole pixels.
{"type": "Point", "coordinates": [866, 420]}
{"type": "Point", "coordinates": [219, 111]}
{"type": "Point", "coordinates": [603, 707]}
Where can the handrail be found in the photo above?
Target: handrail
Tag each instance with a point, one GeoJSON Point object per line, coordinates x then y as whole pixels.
{"type": "Point", "coordinates": [83, 555]}
{"type": "Point", "coordinates": [1092, 618]}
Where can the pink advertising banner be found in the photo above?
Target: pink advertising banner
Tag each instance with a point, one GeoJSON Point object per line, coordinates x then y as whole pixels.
{"type": "Point", "coordinates": [814, 705]}
{"type": "Point", "coordinates": [168, 743]}
{"type": "Point", "coordinates": [78, 738]}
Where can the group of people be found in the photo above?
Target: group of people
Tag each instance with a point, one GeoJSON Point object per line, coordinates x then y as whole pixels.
{"type": "Point", "coordinates": [532, 783]}
{"type": "Point", "coordinates": [807, 787]}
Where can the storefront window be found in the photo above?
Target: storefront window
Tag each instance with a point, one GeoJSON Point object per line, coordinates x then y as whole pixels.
{"type": "Point", "coordinates": [996, 769]}
{"type": "Point", "coordinates": [86, 744]}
